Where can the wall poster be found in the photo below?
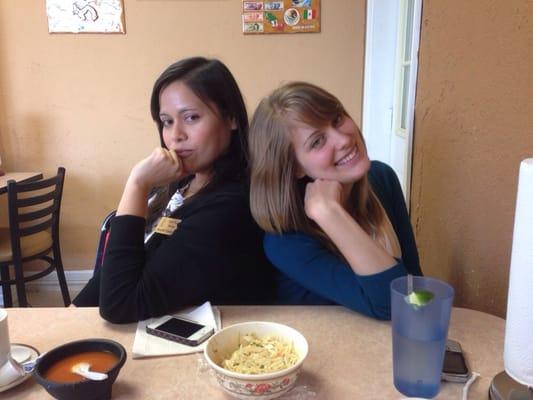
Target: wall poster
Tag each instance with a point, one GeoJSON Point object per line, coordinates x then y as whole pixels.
{"type": "Point", "coordinates": [85, 16]}
{"type": "Point", "coordinates": [287, 16]}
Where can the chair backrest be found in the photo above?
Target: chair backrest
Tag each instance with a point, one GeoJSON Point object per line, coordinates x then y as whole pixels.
{"type": "Point", "coordinates": [34, 207]}
{"type": "Point", "coordinates": [102, 241]}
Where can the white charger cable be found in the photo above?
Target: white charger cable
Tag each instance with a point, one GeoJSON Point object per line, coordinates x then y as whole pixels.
{"type": "Point", "coordinates": [468, 384]}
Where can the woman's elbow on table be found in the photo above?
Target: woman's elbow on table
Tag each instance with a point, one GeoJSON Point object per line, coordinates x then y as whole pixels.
{"type": "Point", "coordinates": [115, 315]}
{"type": "Point", "coordinates": [381, 313]}
{"type": "Point", "coordinates": [376, 292]}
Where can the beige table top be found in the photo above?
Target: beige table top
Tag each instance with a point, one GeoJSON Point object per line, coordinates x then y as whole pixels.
{"type": "Point", "coordinates": [19, 177]}
{"type": "Point", "coordinates": [349, 355]}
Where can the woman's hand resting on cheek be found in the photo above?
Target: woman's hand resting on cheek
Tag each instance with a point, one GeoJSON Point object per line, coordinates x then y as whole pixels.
{"type": "Point", "coordinates": [160, 168]}
{"type": "Point", "coordinates": [324, 204]}
{"type": "Point", "coordinates": [321, 197]}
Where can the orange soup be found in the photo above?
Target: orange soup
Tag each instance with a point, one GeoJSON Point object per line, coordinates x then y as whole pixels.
{"type": "Point", "coordinates": [99, 361]}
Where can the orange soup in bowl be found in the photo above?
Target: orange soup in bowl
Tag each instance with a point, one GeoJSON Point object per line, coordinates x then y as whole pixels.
{"type": "Point", "coordinates": [61, 371]}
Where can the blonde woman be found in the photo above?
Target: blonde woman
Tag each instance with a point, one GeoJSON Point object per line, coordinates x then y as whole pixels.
{"type": "Point", "coordinates": [337, 225]}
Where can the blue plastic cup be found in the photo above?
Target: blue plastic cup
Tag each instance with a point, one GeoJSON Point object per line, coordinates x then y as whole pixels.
{"type": "Point", "coordinates": [419, 336]}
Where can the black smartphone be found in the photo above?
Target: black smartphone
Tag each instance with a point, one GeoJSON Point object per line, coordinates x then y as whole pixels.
{"type": "Point", "coordinates": [180, 330]}
{"type": "Point", "coordinates": [455, 367]}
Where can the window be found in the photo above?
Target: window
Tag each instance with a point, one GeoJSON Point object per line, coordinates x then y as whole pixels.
{"type": "Point", "coordinates": [403, 68]}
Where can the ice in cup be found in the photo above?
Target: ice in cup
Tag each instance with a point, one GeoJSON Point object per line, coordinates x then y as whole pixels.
{"type": "Point", "coordinates": [419, 333]}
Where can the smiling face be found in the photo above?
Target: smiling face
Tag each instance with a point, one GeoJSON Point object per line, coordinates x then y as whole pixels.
{"type": "Point", "coordinates": [195, 130]}
{"type": "Point", "coordinates": [333, 152]}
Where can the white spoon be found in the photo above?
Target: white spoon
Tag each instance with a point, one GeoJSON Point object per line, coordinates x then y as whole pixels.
{"type": "Point", "coordinates": [82, 369]}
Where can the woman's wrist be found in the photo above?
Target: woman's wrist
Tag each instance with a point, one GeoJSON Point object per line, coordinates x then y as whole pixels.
{"type": "Point", "coordinates": [134, 198]}
{"type": "Point", "coordinates": [140, 177]}
{"type": "Point", "coordinates": [325, 211]}
{"type": "Point", "coordinates": [137, 184]}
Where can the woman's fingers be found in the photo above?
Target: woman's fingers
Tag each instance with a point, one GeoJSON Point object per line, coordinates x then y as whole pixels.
{"type": "Point", "coordinates": [321, 195]}
{"type": "Point", "coordinates": [161, 167]}
{"type": "Point", "coordinates": [174, 156]}
{"type": "Point", "coordinates": [180, 169]}
{"type": "Point", "coordinates": [324, 190]}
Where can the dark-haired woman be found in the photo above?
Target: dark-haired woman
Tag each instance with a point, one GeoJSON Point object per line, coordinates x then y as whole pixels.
{"type": "Point", "coordinates": [202, 244]}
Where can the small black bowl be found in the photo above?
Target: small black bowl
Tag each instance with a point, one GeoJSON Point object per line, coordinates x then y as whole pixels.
{"type": "Point", "coordinates": [86, 389]}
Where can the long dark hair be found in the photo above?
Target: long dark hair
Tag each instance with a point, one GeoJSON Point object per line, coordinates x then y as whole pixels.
{"type": "Point", "coordinates": [213, 83]}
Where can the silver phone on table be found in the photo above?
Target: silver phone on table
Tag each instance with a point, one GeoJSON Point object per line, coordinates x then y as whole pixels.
{"type": "Point", "coordinates": [181, 330]}
{"type": "Point", "coordinates": [455, 367]}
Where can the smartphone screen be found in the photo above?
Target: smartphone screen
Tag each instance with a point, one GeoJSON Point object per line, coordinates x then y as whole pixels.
{"type": "Point", "coordinates": [179, 327]}
{"type": "Point", "coordinates": [454, 363]}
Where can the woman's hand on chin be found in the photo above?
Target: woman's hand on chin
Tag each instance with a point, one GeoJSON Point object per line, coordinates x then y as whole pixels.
{"type": "Point", "coordinates": [160, 168]}
{"type": "Point", "coordinates": [321, 197]}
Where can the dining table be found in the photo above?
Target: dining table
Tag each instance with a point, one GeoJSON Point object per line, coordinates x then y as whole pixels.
{"type": "Point", "coordinates": [350, 355]}
{"type": "Point", "coordinates": [18, 177]}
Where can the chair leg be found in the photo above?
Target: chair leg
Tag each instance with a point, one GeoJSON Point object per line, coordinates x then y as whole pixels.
{"type": "Point", "coordinates": [19, 282]}
{"type": "Point", "coordinates": [6, 287]}
{"type": "Point", "coordinates": [61, 275]}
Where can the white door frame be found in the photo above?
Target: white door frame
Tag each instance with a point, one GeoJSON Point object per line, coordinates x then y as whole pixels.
{"type": "Point", "coordinates": [380, 91]}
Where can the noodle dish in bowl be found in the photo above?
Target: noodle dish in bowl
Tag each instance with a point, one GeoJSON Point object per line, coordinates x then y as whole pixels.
{"type": "Point", "coordinates": [256, 360]}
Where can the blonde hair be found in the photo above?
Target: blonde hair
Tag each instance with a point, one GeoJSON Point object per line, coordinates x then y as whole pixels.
{"type": "Point", "coordinates": [276, 195]}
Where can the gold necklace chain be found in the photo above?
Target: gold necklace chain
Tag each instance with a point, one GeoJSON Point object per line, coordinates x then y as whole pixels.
{"type": "Point", "coordinates": [189, 192]}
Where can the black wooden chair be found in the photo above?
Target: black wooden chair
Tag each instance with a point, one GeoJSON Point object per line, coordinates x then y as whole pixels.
{"type": "Point", "coordinates": [33, 234]}
{"type": "Point", "coordinates": [102, 240]}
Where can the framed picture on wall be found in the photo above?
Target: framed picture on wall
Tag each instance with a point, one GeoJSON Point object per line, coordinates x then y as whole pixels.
{"type": "Point", "coordinates": [282, 16]}
{"type": "Point", "coordinates": [85, 16]}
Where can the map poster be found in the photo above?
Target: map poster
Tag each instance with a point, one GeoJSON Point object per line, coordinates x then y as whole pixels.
{"type": "Point", "coordinates": [285, 16]}
{"type": "Point", "coordinates": [85, 16]}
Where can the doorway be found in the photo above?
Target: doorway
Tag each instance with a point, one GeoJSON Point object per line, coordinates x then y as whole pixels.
{"type": "Point", "coordinates": [391, 63]}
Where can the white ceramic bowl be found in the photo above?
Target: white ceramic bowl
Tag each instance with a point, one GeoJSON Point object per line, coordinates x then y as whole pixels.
{"type": "Point", "coordinates": [257, 387]}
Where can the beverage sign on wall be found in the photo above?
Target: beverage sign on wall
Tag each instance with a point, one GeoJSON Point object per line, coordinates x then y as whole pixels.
{"type": "Point", "coordinates": [287, 16]}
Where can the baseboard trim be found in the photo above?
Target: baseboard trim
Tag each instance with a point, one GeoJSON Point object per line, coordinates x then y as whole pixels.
{"type": "Point", "coordinates": [76, 280]}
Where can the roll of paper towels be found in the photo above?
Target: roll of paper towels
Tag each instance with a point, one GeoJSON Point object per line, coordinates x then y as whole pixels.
{"type": "Point", "coordinates": [518, 346]}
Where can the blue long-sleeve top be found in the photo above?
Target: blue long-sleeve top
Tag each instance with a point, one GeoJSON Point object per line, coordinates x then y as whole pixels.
{"type": "Point", "coordinates": [309, 273]}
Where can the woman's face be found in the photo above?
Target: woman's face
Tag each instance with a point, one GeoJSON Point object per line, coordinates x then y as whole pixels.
{"type": "Point", "coordinates": [197, 132]}
{"type": "Point", "coordinates": [335, 152]}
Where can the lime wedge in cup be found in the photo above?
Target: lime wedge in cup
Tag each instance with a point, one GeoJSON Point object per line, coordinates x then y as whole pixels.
{"type": "Point", "coordinates": [419, 298]}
